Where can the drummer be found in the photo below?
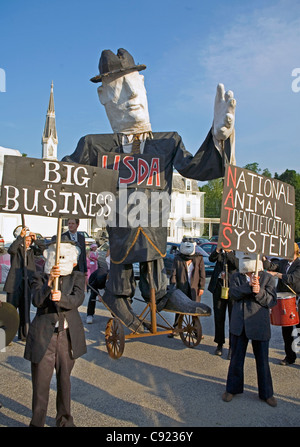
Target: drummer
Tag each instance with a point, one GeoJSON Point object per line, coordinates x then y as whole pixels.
{"type": "Point", "coordinates": [288, 273]}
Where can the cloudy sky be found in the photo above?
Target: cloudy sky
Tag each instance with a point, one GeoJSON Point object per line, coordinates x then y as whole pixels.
{"type": "Point", "coordinates": [189, 46]}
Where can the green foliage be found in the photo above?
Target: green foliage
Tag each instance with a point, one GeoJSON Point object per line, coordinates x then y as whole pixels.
{"type": "Point", "coordinates": [213, 197]}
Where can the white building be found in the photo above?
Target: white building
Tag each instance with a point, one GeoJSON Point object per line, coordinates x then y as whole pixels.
{"type": "Point", "coordinates": [187, 209]}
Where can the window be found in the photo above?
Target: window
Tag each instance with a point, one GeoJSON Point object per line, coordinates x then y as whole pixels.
{"type": "Point", "coordinates": [188, 207]}
{"type": "Point", "coordinates": [188, 185]}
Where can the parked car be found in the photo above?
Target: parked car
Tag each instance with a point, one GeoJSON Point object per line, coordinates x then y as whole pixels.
{"type": "Point", "coordinates": [88, 239]}
{"type": "Point", "coordinates": [199, 240]}
{"type": "Point", "coordinates": [208, 246]}
{"type": "Point", "coordinates": [214, 238]}
{"type": "Point", "coordinates": [173, 249]}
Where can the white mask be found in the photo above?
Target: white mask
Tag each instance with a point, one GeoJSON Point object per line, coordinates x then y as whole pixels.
{"type": "Point", "coordinates": [68, 256]}
{"type": "Point", "coordinates": [187, 248]}
{"type": "Point", "coordinates": [125, 101]}
{"type": "Point", "coordinates": [247, 262]}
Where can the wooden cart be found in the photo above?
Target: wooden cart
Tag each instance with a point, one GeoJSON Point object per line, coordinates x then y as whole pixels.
{"type": "Point", "coordinates": [189, 327]}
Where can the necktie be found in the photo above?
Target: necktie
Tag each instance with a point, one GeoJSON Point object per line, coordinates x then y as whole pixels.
{"type": "Point", "coordinates": [136, 145]}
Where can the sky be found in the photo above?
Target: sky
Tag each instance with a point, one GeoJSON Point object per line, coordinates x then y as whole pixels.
{"type": "Point", "coordinates": [188, 46]}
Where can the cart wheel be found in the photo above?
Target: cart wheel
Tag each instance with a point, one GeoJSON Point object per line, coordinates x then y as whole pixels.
{"type": "Point", "coordinates": [190, 330]}
{"type": "Point", "coordinates": [114, 338]}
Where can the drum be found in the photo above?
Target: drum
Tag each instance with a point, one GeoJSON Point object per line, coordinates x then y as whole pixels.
{"type": "Point", "coordinates": [285, 313]}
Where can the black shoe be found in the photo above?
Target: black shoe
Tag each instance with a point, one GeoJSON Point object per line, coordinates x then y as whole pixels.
{"type": "Point", "coordinates": [285, 362]}
{"type": "Point", "coordinates": [219, 350]}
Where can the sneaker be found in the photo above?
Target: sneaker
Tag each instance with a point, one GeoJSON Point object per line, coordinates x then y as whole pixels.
{"type": "Point", "coordinates": [89, 319]}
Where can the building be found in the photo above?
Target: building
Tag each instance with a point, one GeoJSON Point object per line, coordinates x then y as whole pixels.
{"type": "Point", "coordinates": [187, 207]}
{"type": "Point", "coordinates": [49, 139]}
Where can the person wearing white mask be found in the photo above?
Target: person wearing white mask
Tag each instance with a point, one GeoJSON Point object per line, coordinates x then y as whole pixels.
{"type": "Point", "coordinates": [56, 335]}
{"type": "Point", "coordinates": [252, 296]}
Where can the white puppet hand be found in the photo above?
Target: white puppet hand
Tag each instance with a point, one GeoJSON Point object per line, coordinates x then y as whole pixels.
{"type": "Point", "coordinates": [224, 113]}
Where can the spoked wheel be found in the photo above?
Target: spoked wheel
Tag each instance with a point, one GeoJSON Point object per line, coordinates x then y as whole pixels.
{"type": "Point", "coordinates": [114, 338]}
{"type": "Point", "coordinates": [190, 330]}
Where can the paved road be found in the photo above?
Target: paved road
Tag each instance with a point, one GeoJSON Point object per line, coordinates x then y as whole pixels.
{"type": "Point", "coordinates": [158, 382]}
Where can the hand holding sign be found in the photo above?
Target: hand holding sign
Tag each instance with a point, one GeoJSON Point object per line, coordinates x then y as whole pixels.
{"type": "Point", "coordinates": [254, 282]}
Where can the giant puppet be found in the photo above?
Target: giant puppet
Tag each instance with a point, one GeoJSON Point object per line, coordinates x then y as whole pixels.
{"type": "Point", "coordinates": [124, 97]}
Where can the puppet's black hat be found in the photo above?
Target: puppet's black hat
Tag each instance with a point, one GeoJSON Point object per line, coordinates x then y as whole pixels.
{"type": "Point", "coordinates": [111, 63]}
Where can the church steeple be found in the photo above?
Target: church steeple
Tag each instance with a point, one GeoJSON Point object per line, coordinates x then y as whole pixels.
{"type": "Point", "coordinates": [49, 140]}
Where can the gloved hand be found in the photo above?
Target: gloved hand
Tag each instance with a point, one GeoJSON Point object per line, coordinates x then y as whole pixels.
{"type": "Point", "coordinates": [224, 113]}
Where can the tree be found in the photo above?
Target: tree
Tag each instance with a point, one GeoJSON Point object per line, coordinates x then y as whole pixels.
{"type": "Point", "coordinates": [213, 197]}
{"type": "Point", "coordinates": [255, 168]}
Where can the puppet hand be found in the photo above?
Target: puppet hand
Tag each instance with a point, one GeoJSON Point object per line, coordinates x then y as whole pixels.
{"type": "Point", "coordinates": [56, 295]}
{"type": "Point", "coordinates": [224, 113]}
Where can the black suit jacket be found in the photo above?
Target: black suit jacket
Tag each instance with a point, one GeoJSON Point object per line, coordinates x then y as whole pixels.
{"type": "Point", "coordinates": [43, 325]}
{"type": "Point", "coordinates": [131, 244]}
{"type": "Point", "coordinates": [291, 278]}
{"type": "Point", "coordinates": [250, 310]}
{"type": "Point", "coordinates": [179, 276]}
{"type": "Point", "coordinates": [82, 265]}
{"type": "Point", "coordinates": [15, 275]}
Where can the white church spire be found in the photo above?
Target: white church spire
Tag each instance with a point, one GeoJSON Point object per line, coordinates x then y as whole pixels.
{"type": "Point", "coordinates": [49, 140]}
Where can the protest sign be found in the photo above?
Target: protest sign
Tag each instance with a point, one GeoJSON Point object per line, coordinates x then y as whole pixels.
{"type": "Point", "coordinates": [258, 214]}
{"type": "Point", "coordinates": [55, 189]}
{"type": "Point", "coordinates": [136, 171]}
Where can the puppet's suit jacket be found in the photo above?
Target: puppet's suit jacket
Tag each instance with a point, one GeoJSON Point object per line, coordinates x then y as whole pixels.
{"type": "Point", "coordinates": [146, 243]}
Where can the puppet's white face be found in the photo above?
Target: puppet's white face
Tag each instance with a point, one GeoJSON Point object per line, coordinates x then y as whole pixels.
{"type": "Point", "coordinates": [187, 248]}
{"type": "Point", "coordinates": [67, 258]}
{"type": "Point", "coordinates": [247, 262]}
{"type": "Point", "coordinates": [125, 101]}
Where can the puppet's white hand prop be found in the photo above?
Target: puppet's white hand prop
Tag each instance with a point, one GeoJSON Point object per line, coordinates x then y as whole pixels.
{"type": "Point", "coordinates": [224, 113]}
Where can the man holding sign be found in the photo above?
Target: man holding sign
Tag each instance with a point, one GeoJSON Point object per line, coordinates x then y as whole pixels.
{"type": "Point", "coordinates": [56, 335]}
{"type": "Point", "coordinates": [253, 295]}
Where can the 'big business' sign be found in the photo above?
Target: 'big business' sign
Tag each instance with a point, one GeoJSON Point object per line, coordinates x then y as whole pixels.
{"type": "Point", "coordinates": [55, 189]}
{"type": "Point", "coordinates": [258, 214]}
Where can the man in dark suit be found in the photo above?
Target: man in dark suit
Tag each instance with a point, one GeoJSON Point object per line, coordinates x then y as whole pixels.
{"type": "Point", "coordinates": [226, 263]}
{"type": "Point", "coordinates": [18, 291]}
{"type": "Point", "coordinates": [56, 335]}
{"type": "Point", "coordinates": [252, 296]}
{"type": "Point", "coordinates": [73, 235]}
{"type": "Point", "coordinates": [188, 273]}
{"type": "Point", "coordinates": [288, 273]}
